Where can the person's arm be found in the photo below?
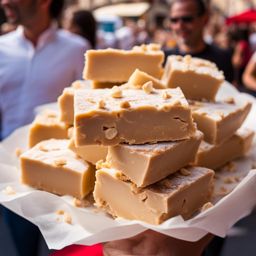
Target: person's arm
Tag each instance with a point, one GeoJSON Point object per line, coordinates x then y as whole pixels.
{"type": "Point", "coordinates": [249, 76]}
{"type": "Point", "coordinates": [155, 244]}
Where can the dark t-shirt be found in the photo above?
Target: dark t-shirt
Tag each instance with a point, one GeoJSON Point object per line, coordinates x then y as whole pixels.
{"type": "Point", "coordinates": [222, 58]}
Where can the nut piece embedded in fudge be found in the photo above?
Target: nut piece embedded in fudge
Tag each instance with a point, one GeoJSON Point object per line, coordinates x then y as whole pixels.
{"type": "Point", "coordinates": [177, 194]}
{"type": "Point", "coordinates": [198, 79]}
{"type": "Point", "coordinates": [113, 65]}
{"type": "Point", "coordinates": [149, 163]}
{"type": "Point", "coordinates": [47, 125]}
{"type": "Point", "coordinates": [214, 156]}
{"type": "Point", "coordinates": [52, 167]}
{"type": "Point", "coordinates": [149, 118]}
{"type": "Point", "coordinates": [219, 121]}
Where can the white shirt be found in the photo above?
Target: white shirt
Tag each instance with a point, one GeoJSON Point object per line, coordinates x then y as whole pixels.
{"type": "Point", "coordinates": [32, 76]}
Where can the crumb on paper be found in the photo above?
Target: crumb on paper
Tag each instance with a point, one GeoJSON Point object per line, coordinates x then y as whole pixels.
{"type": "Point", "coordinates": [222, 192]}
{"type": "Point", "coordinates": [230, 100]}
{"type": "Point", "coordinates": [60, 212]}
{"type": "Point", "coordinates": [77, 203]}
{"type": "Point", "coordinates": [9, 191]}
{"type": "Point", "coordinates": [18, 151]}
{"type": "Point", "coordinates": [229, 180]}
{"type": "Point", "coordinates": [60, 162]}
{"type": "Point", "coordinates": [67, 218]}
{"type": "Point", "coordinates": [206, 206]}
{"type": "Point", "coordinates": [166, 95]}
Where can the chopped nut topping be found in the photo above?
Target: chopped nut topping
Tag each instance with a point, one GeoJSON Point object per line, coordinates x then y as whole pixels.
{"type": "Point", "coordinates": [60, 212]}
{"type": "Point", "coordinates": [125, 104]}
{"type": "Point", "coordinates": [148, 87]}
{"type": "Point", "coordinates": [9, 191]}
{"type": "Point", "coordinates": [230, 100]}
{"type": "Point", "coordinates": [176, 103]}
{"type": "Point", "coordinates": [101, 164]}
{"type": "Point", "coordinates": [101, 104]}
{"type": "Point", "coordinates": [206, 206]}
{"type": "Point", "coordinates": [76, 85]}
{"type": "Point", "coordinates": [60, 162]}
{"type": "Point", "coordinates": [116, 92]}
{"type": "Point", "coordinates": [77, 202]}
{"type": "Point", "coordinates": [43, 148]}
{"type": "Point", "coordinates": [184, 172]}
{"type": "Point", "coordinates": [187, 59]}
{"type": "Point", "coordinates": [18, 152]}
{"type": "Point", "coordinates": [166, 95]}
{"type": "Point", "coordinates": [67, 218]}
{"type": "Point", "coordinates": [110, 133]}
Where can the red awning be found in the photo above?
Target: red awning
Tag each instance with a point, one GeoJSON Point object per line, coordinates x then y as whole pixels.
{"type": "Point", "coordinates": [244, 17]}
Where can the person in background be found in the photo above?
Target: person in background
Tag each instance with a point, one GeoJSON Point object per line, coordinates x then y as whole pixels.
{"type": "Point", "coordinates": [188, 19]}
{"type": "Point", "coordinates": [249, 76]}
{"type": "Point", "coordinates": [37, 61]}
{"type": "Point", "coordinates": [83, 23]}
{"type": "Point", "coordinates": [242, 54]}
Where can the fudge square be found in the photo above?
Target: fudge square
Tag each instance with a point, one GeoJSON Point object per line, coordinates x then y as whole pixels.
{"type": "Point", "coordinates": [219, 121]}
{"type": "Point", "coordinates": [198, 79]}
{"type": "Point", "coordinates": [214, 156]}
{"type": "Point", "coordinates": [47, 126]}
{"type": "Point", "coordinates": [52, 167]}
{"type": "Point", "coordinates": [113, 65]}
{"type": "Point", "coordinates": [112, 116]}
{"type": "Point", "coordinates": [181, 193]}
{"type": "Point", "coordinates": [149, 163]}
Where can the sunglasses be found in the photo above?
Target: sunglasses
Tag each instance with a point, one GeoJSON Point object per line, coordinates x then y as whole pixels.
{"type": "Point", "coordinates": [184, 19]}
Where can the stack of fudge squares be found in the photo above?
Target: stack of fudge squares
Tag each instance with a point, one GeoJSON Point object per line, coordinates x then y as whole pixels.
{"type": "Point", "coordinates": [147, 146]}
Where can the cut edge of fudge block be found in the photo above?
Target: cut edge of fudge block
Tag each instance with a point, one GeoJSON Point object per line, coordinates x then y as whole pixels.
{"type": "Point", "coordinates": [114, 65]}
{"type": "Point", "coordinates": [102, 117]}
{"type": "Point", "coordinates": [219, 121]}
{"type": "Point", "coordinates": [90, 153]}
{"type": "Point", "coordinates": [214, 156]}
{"type": "Point", "coordinates": [47, 125]}
{"type": "Point", "coordinates": [175, 195]}
{"type": "Point", "coordinates": [199, 79]}
{"type": "Point", "coordinates": [149, 163]}
{"type": "Point", "coordinates": [52, 167]}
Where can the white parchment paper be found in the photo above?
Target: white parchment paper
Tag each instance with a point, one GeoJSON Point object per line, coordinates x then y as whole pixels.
{"type": "Point", "coordinates": [232, 201]}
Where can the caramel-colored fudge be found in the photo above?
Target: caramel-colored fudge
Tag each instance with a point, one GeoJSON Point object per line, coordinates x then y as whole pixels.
{"type": "Point", "coordinates": [214, 156]}
{"type": "Point", "coordinates": [113, 65]}
{"type": "Point", "coordinates": [198, 79]}
{"type": "Point", "coordinates": [90, 153]}
{"type": "Point", "coordinates": [46, 126]}
{"type": "Point", "coordinates": [149, 163]}
{"type": "Point", "coordinates": [66, 101]}
{"type": "Point", "coordinates": [219, 121]}
{"type": "Point", "coordinates": [103, 85]}
{"type": "Point", "coordinates": [139, 78]}
{"type": "Point", "coordinates": [52, 167]}
{"type": "Point", "coordinates": [181, 193]}
{"type": "Point", "coordinates": [110, 116]}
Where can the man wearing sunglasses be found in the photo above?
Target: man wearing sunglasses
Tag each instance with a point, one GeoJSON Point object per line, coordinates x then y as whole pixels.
{"type": "Point", "coordinates": [188, 19]}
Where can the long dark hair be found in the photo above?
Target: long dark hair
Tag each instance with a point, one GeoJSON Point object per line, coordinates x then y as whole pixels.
{"type": "Point", "coordinates": [87, 25]}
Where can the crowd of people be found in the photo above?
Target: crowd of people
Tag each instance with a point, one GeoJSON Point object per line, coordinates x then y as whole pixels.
{"type": "Point", "coordinates": [38, 59]}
